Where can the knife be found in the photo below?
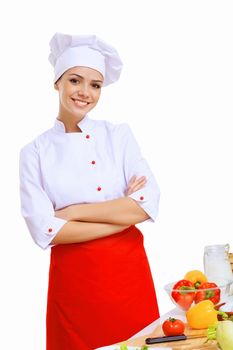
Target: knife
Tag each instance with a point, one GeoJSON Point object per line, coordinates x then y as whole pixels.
{"type": "Point", "coordinates": [172, 338]}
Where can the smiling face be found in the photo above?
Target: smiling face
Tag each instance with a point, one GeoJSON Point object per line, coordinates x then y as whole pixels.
{"type": "Point", "coordinates": [79, 90]}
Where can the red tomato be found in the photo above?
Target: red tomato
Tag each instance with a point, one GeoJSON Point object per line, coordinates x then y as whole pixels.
{"type": "Point", "coordinates": [173, 326]}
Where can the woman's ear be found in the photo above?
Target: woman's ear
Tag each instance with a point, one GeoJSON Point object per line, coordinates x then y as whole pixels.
{"type": "Point", "coordinates": [55, 86]}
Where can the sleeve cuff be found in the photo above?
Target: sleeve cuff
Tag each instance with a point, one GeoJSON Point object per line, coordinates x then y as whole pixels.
{"type": "Point", "coordinates": [147, 202]}
{"type": "Point", "coordinates": [51, 229]}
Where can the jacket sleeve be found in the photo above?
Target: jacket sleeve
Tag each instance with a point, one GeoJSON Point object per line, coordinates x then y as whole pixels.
{"type": "Point", "coordinates": [36, 207]}
{"type": "Point", "coordinates": [134, 164]}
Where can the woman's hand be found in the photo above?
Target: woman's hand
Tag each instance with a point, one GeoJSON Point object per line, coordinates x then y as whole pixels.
{"type": "Point", "coordinates": [135, 184]}
{"type": "Point", "coordinates": [66, 213]}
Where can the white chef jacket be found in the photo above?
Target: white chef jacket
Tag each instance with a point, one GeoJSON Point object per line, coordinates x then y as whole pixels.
{"type": "Point", "coordinates": [59, 169]}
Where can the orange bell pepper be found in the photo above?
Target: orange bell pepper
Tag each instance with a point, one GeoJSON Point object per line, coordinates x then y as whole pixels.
{"type": "Point", "coordinates": [197, 277]}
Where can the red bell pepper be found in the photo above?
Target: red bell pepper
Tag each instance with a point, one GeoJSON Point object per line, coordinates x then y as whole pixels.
{"type": "Point", "coordinates": [211, 294]}
{"type": "Point", "coordinates": [182, 293]}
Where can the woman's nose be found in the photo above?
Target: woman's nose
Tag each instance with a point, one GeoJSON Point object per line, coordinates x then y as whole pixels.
{"type": "Point", "coordinates": [83, 91]}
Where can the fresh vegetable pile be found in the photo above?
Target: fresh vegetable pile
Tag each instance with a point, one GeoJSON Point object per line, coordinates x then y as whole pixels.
{"type": "Point", "coordinates": [194, 288]}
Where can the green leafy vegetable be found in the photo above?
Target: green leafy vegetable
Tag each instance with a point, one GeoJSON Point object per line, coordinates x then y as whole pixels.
{"type": "Point", "coordinates": [123, 346]}
{"type": "Point", "coordinates": [212, 332]}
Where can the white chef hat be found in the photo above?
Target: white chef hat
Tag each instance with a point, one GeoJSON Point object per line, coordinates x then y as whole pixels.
{"type": "Point", "coordinates": [69, 51]}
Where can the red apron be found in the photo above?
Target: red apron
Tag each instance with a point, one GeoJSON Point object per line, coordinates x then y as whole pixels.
{"type": "Point", "coordinates": [100, 292]}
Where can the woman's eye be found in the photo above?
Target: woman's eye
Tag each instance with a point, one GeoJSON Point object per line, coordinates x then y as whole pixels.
{"type": "Point", "coordinates": [74, 81]}
{"type": "Point", "coordinates": [96, 86]}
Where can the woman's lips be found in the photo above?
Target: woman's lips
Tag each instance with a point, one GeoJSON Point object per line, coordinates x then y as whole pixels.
{"type": "Point", "coordinates": [80, 103]}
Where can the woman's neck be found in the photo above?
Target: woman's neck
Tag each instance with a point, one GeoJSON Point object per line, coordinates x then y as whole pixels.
{"type": "Point", "coordinates": [70, 123]}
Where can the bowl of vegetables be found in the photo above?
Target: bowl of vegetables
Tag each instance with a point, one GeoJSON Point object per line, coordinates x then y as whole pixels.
{"type": "Point", "coordinates": [195, 287]}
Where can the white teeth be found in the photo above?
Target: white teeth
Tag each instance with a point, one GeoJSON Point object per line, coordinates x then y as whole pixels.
{"type": "Point", "coordinates": [80, 103]}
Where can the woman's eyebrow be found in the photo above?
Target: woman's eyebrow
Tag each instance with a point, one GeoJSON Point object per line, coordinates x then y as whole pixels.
{"type": "Point", "coordinates": [77, 75]}
{"type": "Point", "coordinates": [80, 76]}
{"type": "Point", "coordinates": [97, 81]}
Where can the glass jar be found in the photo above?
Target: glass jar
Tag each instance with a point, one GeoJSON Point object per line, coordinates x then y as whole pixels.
{"type": "Point", "coordinates": [217, 266]}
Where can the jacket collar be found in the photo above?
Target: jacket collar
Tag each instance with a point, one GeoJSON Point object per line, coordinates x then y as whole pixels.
{"type": "Point", "coordinates": [85, 125]}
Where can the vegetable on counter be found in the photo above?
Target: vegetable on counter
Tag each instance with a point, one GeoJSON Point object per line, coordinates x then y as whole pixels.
{"type": "Point", "coordinates": [197, 277]}
{"type": "Point", "coordinates": [228, 306]}
{"type": "Point", "coordinates": [211, 294]}
{"type": "Point", "coordinates": [223, 333]}
{"type": "Point", "coordinates": [182, 298]}
{"type": "Point", "coordinates": [125, 347]}
{"type": "Point", "coordinates": [173, 326]}
{"type": "Point", "coordinates": [201, 315]}
{"type": "Point", "coordinates": [226, 312]}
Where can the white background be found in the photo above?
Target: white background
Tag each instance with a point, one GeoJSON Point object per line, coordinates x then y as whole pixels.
{"type": "Point", "coordinates": [175, 92]}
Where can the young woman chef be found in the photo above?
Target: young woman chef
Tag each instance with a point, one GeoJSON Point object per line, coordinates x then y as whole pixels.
{"type": "Point", "coordinates": [84, 186]}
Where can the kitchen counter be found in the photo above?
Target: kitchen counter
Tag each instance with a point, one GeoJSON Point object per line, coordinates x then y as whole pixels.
{"type": "Point", "coordinates": [154, 329]}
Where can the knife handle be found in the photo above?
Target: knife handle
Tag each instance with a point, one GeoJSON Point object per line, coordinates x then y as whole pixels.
{"type": "Point", "coordinates": [165, 339]}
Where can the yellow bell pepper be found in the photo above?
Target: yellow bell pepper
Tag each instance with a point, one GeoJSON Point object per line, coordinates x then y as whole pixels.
{"type": "Point", "coordinates": [201, 315]}
{"type": "Point", "coordinates": [197, 277]}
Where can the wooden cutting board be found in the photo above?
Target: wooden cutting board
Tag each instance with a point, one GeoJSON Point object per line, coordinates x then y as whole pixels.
{"type": "Point", "coordinates": [189, 344]}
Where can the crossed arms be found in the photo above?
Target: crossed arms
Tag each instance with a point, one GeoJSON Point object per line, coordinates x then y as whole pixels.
{"type": "Point", "coordinates": [91, 221]}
